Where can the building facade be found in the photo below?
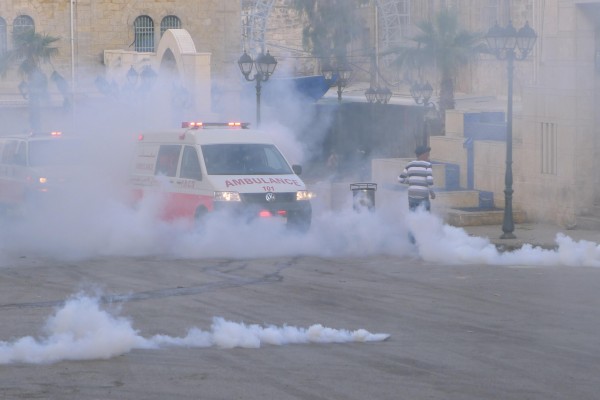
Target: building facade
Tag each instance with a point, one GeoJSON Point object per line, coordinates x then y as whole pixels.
{"type": "Point", "coordinates": [88, 28]}
{"type": "Point", "coordinates": [556, 90]}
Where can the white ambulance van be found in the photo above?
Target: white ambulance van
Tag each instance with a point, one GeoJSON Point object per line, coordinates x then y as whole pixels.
{"type": "Point", "coordinates": [207, 167]}
{"type": "Point", "coordinates": [33, 166]}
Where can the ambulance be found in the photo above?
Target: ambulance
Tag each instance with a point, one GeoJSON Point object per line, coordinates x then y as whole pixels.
{"type": "Point", "coordinates": [208, 167]}
{"type": "Point", "coordinates": [33, 166]}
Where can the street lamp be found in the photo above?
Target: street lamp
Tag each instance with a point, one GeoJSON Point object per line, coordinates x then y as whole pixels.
{"type": "Point", "coordinates": [340, 76]}
{"type": "Point", "coordinates": [379, 95]}
{"type": "Point", "coordinates": [265, 66]}
{"type": "Point", "coordinates": [502, 43]}
{"type": "Point", "coordinates": [421, 93]}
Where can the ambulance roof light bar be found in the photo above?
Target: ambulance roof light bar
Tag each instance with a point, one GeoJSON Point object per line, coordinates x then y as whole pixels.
{"type": "Point", "coordinates": [53, 134]}
{"type": "Point", "coordinates": [202, 125]}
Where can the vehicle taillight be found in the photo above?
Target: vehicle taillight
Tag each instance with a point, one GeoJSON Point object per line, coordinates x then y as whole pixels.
{"type": "Point", "coordinates": [265, 213]}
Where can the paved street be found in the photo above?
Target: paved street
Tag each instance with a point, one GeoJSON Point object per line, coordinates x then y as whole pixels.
{"type": "Point", "coordinates": [457, 331]}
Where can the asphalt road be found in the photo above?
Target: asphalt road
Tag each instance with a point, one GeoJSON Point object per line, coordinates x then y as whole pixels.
{"type": "Point", "coordinates": [457, 332]}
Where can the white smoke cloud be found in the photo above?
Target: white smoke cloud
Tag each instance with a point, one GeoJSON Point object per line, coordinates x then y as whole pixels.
{"type": "Point", "coordinates": [117, 229]}
{"type": "Point", "coordinates": [82, 330]}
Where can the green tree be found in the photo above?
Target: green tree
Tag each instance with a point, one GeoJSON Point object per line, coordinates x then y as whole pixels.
{"type": "Point", "coordinates": [443, 46]}
{"type": "Point", "coordinates": [331, 26]}
{"type": "Point", "coordinates": [30, 50]}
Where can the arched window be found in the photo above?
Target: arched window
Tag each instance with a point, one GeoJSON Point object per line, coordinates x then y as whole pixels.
{"type": "Point", "coordinates": [3, 39]}
{"type": "Point", "coordinates": [23, 23]}
{"type": "Point", "coordinates": [143, 29]}
{"type": "Point", "coordinates": [169, 22]}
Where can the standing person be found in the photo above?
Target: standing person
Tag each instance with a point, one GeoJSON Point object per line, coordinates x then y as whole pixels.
{"type": "Point", "coordinates": [418, 174]}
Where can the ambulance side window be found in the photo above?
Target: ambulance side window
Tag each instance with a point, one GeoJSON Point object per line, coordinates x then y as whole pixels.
{"type": "Point", "coordinates": [21, 156]}
{"type": "Point", "coordinates": [190, 165]}
{"type": "Point", "coordinates": [9, 152]}
{"type": "Point", "coordinates": [167, 160]}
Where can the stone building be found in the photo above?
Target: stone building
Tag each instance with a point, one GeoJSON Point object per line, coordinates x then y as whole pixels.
{"type": "Point", "coordinates": [556, 89]}
{"type": "Point", "coordinates": [555, 129]}
{"type": "Point", "coordinates": [131, 29]}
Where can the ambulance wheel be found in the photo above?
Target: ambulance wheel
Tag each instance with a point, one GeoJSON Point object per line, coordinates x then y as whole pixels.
{"type": "Point", "coordinates": [298, 223]}
{"type": "Point", "coordinates": [200, 215]}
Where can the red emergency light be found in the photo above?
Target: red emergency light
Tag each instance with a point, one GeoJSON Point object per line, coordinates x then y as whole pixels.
{"type": "Point", "coordinates": [267, 213]}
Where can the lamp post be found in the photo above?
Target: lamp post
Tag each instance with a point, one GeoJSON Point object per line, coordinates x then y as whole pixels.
{"type": "Point", "coordinates": [379, 95]}
{"type": "Point", "coordinates": [340, 76]}
{"type": "Point", "coordinates": [265, 66]}
{"type": "Point", "coordinates": [421, 93]}
{"type": "Point", "coordinates": [510, 45]}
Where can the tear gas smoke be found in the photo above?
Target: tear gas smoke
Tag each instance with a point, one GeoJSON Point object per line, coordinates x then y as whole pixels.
{"type": "Point", "coordinates": [116, 229]}
{"type": "Point", "coordinates": [82, 330]}
{"type": "Point", "coordinates": [94, 216]}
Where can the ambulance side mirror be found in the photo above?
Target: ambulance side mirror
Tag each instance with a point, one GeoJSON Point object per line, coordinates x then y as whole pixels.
{"type": "Point", "coordinates": [297, 169]}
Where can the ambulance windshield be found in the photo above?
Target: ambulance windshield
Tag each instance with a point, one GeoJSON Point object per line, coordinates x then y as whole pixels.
{"type": "Point", "coordinates": [54, 152]}
{"type": "Point", "coordinates": [244, 159]}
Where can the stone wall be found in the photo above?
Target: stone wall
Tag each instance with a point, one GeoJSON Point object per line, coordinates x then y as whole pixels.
{"type": "Point", "coordinates": [108, 25]}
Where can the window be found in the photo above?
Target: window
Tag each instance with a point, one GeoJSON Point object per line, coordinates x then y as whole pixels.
{"type": "Point", "coordinates": [404, 16]}
{"type": "Point", "coordinates": [549, 148]}
{"type": "Point", "coordinates": [22, 24]}
{"type": "Point", "coordinates": [492, 12]}
{"type": "Point", "coordinates": [169, 22]}
{"type": "Point", "coordinates": [143, 28]}
{"type": "Point", "coordinates": [168, 158]}
{"type": "Point", "coordinates": [244, 159]}
{"type": "Point", "coordinates": [3, 40]}
{"type": "Point", "coordinates": [190, 166]}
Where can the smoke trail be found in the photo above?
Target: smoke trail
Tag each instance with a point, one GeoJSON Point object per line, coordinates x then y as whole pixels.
{"type": "Point", "coordinates": [82, 330]}
{"type": "Point", "coordinates": [442, 243]}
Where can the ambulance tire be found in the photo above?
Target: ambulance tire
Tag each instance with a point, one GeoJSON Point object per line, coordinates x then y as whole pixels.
{"type": "Point", "coordinates": [200, 215]}
{"type": "Point", "coordinates": [298, 223]}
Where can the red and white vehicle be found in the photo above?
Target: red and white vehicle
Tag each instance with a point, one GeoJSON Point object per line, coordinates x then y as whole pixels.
{"type": "Point", "coordinates": [205, 167]}
{"type": "Point", "coordinates": [33, 166]}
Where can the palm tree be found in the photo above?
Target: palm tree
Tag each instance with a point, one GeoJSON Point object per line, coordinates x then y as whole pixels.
{"type": "Point", "coordinates": [443, 46]}
{"type": "Point", "coordinates": [30, 50]}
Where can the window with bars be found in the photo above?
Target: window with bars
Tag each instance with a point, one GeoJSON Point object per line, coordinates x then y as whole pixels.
{"type": "Point", "coordinates": [3, 36]}
{"type": "Point", "coordinates": [169, 22]}
{"type": "Point", "coordinates": [549, 142]}
{"type": "Point", "coordinates": [143, 29]}
{"type": "Point", "coordinates": [23, 23]}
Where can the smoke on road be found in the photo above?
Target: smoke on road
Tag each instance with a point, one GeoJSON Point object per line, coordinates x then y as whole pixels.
{"type": "Point", "coordinates": [82, 330]}
{"type": "Point", "coordinates": [106, 227]}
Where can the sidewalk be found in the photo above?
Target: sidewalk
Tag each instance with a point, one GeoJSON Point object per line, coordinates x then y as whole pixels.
{"type": "Point", "coordinates": [535, 234]}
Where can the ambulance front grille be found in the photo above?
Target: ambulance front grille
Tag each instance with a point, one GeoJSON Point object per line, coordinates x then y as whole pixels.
{"type": "Point", "coordinates": [261, 198]}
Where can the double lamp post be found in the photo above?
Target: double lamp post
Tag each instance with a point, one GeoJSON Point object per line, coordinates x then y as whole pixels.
{"type": "Point", "coordinates": [265, 66]}
{"type": "Point", "coordinates": [510, 45]}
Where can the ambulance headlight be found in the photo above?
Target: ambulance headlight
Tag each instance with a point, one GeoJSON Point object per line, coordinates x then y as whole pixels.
{"type": "Point", "coordinates": [302, 195]}
{"type": "Point", "coordinates": [227, 196]}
